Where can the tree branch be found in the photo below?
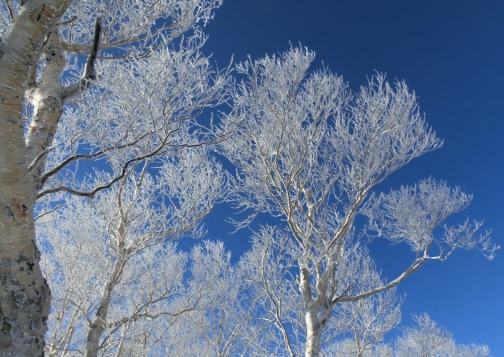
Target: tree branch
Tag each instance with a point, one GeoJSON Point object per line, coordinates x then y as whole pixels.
{"type": "Point", "coordinates": [412, 268]}
{"type": "Point", "coordinates": [39, 157]}
{"type": "Point", "coordinates": [9, 8]}
{"type": "Point", "coordinates": [89, 71]}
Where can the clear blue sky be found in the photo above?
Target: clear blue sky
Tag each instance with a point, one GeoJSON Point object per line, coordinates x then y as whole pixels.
{"type": "Point", "coordinates": [451, 53]}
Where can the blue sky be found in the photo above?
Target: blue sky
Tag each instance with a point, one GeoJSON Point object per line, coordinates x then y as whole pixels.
{"type": "Point", "coordinates": [451, 53]}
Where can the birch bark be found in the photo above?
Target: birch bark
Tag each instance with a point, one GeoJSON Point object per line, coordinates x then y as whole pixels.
{"type": "Point", "coordinates": [47, 101]}
{"type": "Point", "coordinates": [24, 293]}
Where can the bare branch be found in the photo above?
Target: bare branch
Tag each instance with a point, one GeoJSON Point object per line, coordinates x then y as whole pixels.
{"type": "Point", "coordinates": [9, 9]}
{"type": "Point", "coordinates": [39, 157]}
{"type": "Point", "coordinates": [89, 74]}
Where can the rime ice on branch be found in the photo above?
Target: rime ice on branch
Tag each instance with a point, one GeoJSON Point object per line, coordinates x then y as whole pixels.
{"type": "Point", "coordinates": [311, 151]}
{"type": "Point", "coordinates": [80, 130]}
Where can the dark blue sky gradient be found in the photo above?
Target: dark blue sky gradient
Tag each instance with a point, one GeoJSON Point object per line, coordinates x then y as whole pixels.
{"type": "Point", "coordinates": [451, 53]}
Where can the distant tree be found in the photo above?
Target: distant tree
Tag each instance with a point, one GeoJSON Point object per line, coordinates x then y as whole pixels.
{"type": "Point", "coordinates": [429, 339]}
{"type": "Point", "coordinates": [311, 151]}
{"type": "Point", "coordinates": [425, 340]}
{"type": "Point", "coordinates": [64, 126]}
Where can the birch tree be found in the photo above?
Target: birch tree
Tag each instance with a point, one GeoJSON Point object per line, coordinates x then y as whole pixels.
{"type": "Point", "coordinates": [111, 262]}
{"type": "Point", "coordinates": [355, 328]}
{"type": "Point", "coordinates": [222, 325]}
{"type": "Point", "coordinates": [267, 271]}
{"type": "Point", "coordinates": [430, 339]}
{"type": "Point", "coordinates": [312, 152]}
{"type": "Point", "coordinates": [366, 321]}
{"type": "Point", "coordinates": [425, 339]}
{"type": "Point", "coordinates": [60, 107]}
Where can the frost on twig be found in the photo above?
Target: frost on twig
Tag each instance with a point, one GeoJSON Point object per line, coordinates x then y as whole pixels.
{"type": "Point", "coordinates": [312, 151]}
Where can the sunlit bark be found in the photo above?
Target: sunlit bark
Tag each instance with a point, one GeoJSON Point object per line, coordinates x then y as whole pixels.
{"type": "Point", "coordinates": [24, 294]}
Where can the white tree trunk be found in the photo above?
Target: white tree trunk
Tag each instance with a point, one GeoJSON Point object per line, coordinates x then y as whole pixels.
{"type": "Point", "coordinates": [99, 324]}
{"type": "Point", "coordinates": [318, 310]}
{"type": "Point", "coordinates": [24, 293]}
{"type": "Point", "coordinates": [47, 101]}
{"type": "Point", "coordinates": [313, 331]}
{"type": "Point", "coordinates": [313, 325]}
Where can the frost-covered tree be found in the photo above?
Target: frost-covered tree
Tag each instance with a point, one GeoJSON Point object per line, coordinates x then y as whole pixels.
{"type": "Point", "coordinates": [269, 270]}
{"type": "Point", "coordinates": [429, 339]}
{"type": "Point", "coordinates": [425, 339]}
{"type": "Point", "coordinates": [366, 321]}
{"type": "Point", "coordinates": [111, 262]}
{"type": "Point", "coordinates": [311, 151]}
{"type": "Point", "coordinates": [85, 84]}
{"type": "Point", "coordinates": [223, 323]}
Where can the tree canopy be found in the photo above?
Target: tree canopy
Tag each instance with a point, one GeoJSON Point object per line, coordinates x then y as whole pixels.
{"type": "Point", "coordinates": [119, 138]}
